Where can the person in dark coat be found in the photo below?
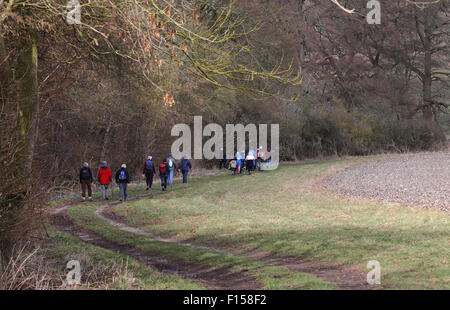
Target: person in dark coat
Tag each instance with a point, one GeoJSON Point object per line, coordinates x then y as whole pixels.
{"type": "Point", "coordinates": [164, 174]}
{"type": "Point", "coordinates": [86, 180]}
{"type": "Point", "coordinates": [123, 178]}
{"type": "Point", "coordinates": [149, 171]}
{"type": "Point", "coordinates": [185, 166]}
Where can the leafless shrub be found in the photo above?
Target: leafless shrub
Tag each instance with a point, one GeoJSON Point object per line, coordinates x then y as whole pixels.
{"type": "Point", "coordinates": [27, 269]}
{"type": "Point", "coordinates": [96, 275]}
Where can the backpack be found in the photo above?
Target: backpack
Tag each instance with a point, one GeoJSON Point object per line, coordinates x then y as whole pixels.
{"type": "Point", "coordinates": [148, 165]}
{"type": "Point", "coordinates": [122, 175]}
{"type": "Point", "coordinates": [162, 169]}
{"type": "Point", "coordinates": [170, 163]}
{"type": "Point", "coordinates": [85, 174]}
{"type": "Point", "coordinates": [233, 164]}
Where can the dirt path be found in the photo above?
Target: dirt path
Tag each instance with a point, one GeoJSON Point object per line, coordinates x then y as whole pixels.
{"type": "Point", "coordinates": [417, 180]}
{"type": "Point", "coordinates": [345, 277]}
{"type": "Point", "coordinates": [210, 277]}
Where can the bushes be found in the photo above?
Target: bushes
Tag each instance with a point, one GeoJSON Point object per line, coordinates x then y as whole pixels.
{"type": "Point", "coordinates": [335, 132]}
{"type": "Point", "coordinates": [415, 135]}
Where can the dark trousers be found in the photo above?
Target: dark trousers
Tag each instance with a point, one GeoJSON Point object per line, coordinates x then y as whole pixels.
{"type": "Point", "coordinates": [260, 161]}
{"type": "Point", "coordinates": [86, 185]}
{"type": "Point", "coordinates": [250, 166]}
{"type": "Point", "coordinates": [185, 175]}
{"type": "Point", "coordinates": [123, 191]}
{"type": "Point", "coordinates": [164, 179]}
{"type": "Point", "coordinates": [222, 163]}
{"type": "Point", "coordinates": [149, 178]}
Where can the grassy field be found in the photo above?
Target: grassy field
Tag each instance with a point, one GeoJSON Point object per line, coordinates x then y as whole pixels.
{"type": "Point", "coordinates": [105, 269]}
{"type": "Point", "coordinates": [283, 213]}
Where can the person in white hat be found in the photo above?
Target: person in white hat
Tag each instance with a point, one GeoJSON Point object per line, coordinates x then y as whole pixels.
{"type": "Point", "coordinates": [123, 178]}
{"type": "Point", "coordinates": [250, 162]}
{"type": "Point", "coordinates": [261, 157]}
{"type": "Point", "coordinates": [86, 180]}
{"type": "Point", "coordinates": [149, 171]}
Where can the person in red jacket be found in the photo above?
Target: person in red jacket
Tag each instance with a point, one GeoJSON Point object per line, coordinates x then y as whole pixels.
{"type": "Point", "coordinates": [104, 176]}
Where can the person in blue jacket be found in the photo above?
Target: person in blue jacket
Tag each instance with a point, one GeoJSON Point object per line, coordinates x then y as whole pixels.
{"type": "Point", "coordinates": [185, 166]}
{"type": "Point", "coordinates": [171, 166]}
{"type": "Point", "coordinates": [239, 162]}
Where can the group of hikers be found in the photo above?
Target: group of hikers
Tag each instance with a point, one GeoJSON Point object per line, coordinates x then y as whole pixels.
{"type": "Point", "coordinates": [253, 160]}
{"type": "Point", "coordinates": [122, 177]}
{"type": "Point", "coordinates": [250, 162]}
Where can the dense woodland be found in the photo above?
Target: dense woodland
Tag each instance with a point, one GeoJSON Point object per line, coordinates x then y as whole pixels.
{"type": "Point", "coordinates": [112, 87]}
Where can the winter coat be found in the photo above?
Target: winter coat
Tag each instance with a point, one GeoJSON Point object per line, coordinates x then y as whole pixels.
{"type": "Point", "coordinates": [166, 170]}
{"type": "Point", "coordinates": [174, 163]}
{"type": "Point", "coordinates": [104, 176]}
{"type": "Point", "coordinates": [185, 164]}
{"type": "Point", "coordinates": [148, 171]}
{"type": "Point", "coordinates": [86, 174]}
{"type": "Point", "coordinates": [127, 176]}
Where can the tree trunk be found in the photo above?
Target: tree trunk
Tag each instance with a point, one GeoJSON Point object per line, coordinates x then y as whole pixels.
{"type": "Point", "coordinates": [28, 97]}
{"type": "Point", "coordinates": [27, 105]}
{"type": "Point", "coordinates": [427, 108]}
{"type": "Point", "coordinates": [106, 138]}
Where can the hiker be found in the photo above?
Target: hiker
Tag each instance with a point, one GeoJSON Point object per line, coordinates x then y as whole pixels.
{"type": "Point", "coordinates": [185, 166]}
{"type": "Point", "coordinates": [123, 178]}
{"type": "Point", "coordinates": [163, 174]}
{"type": "Point", "coordinates": [233, 166]}
{"type": "Point", "coordinates": [250, 162]}
{"type": "Point", "coordinates": [239, 162]}
{"type": "Point", "coordinates": [171, 166]}
{"type": "Point", "coordinates": [148, 172]}
{"type": "Point", "coordinates": [269, 157]}
{"type": "Point", "coordinates": [261, 157]}
{"type": "Point", "coordinates": [223, 160]}
{"type": "Point", "coordinates": [104, 177]}
{"type": "Point", "coordinates": [86, 180]}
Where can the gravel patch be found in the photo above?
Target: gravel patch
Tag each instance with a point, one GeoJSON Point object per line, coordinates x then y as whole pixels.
{"type": "Point", "coordinates": [418, 180]}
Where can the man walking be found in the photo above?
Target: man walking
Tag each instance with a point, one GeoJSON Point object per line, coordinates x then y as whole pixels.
{"type": "Point", "coordinates": [239, 162]}
{"type": "Point", "coordinates": [86, 180]}
{"type": "Point", "coordinates": [163, 174]}
{"type": "Point", "coordinates": [261, 157]}
{"type": "Point", "coordinates": [250, 162]}
{"type": "Point", "coordinates": [185, 166]}
{"type": "Point", "coordinates": [171, 166]}
{"type": "Point", "coordinates": [149, 171]}
{"type": "Point", "coordinates": [104, 177]}
{"type": "Point", "coordinates": [122, 179]}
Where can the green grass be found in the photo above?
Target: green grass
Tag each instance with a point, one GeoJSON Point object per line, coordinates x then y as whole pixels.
{"type": "Point", "coordinates": [279, 212]}
{"type": "Point", "coordinates": [107, 269]}
{"type": "Point", "coordinates": [271, 277]}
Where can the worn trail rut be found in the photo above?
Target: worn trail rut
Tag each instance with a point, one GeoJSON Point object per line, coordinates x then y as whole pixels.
{"type": "Point", "coordinates": [345, 277]}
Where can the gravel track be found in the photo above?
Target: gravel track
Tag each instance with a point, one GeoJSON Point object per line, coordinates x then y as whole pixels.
{"type": "Point", "coordinates": [417, 180]}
